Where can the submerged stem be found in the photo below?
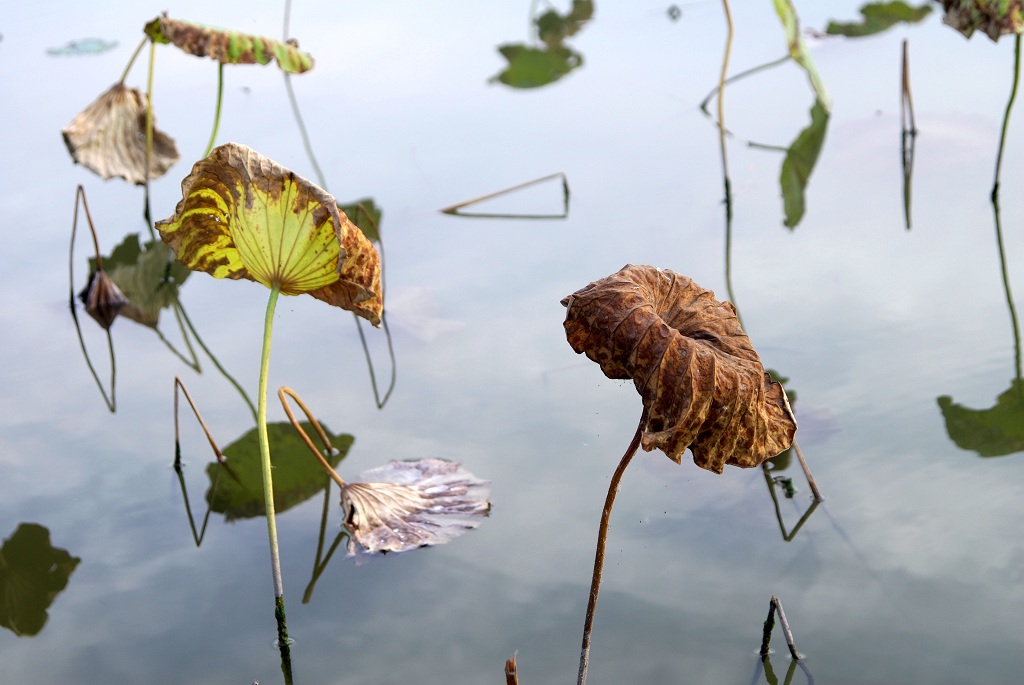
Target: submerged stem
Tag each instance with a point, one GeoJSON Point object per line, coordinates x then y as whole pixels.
{"type": "Point", "coordinates": [602, 537]}
{"type": "Point", "coordinates": [268, 485]}
{"type": "Point", "coordinates": [1006, 117]}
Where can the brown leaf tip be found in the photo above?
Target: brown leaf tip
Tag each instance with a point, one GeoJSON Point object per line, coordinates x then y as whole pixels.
{"type": "Point", "coordinates": [698, 374]}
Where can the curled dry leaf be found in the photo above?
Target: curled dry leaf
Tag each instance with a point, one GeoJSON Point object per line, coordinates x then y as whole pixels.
{"type": "Point", "coordinates": [243, 215]}
{"type": "Point", "coordinates": [409, 504]}
{"type": "Point", "coordinates": [993, 17]}
{"type": "Point", "coordinates": [109, 137]}
{"type": "Point", "coordinates": [228, 47]}
{"type": "Point", "coordinates": [697, 372]}
{"type": "Point", "coordinates": [102, 298]}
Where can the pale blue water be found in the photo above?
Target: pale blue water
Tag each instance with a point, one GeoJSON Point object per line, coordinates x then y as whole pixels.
{"type": "Point", "coordinates": [911, 571]}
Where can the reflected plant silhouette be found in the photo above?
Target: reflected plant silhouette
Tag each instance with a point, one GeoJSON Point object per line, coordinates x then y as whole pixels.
{"type": "Point", "coordinates": [533, 66]}
{"type": "Point", "coordinates": [32, 573]}
{"type": "Point", "coordinates": [102, 299]}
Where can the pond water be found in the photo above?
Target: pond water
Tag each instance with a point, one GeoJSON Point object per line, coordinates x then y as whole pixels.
{"type": "Point", "coordinates": [910, 571]}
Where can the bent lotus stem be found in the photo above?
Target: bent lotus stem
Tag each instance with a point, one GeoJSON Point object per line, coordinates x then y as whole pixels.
{"type": "Point", "coordinates": [286, 391]}
{"type": "Point", "coordinates": [602, 538]}
{"type": "Point", "coordinates": [134, 56]}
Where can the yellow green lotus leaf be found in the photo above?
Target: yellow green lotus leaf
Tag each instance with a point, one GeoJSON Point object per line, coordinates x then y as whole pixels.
{"type": "Point", "coordinates": [243, 215]}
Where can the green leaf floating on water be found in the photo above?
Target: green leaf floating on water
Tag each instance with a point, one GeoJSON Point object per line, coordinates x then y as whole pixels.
{"type": "Point", "coordinates": [140, 272]}
{"type": "Point", "coordinates": [297, 476]}
{"type": "Point", "coordinates": [879, 16]}
{"type": "Point", "coordinates": [798, 49]}
{"type": "Point", "coordinates": [801, 157]}
{"type": "Point", "coordinates": [32, 573]}
{"type": "Point", "coordinates": [243, 215]}
{"type": "Point", "coordinates": [532, 68]}
{"type": "Point", "coordinates": [993, 432]}
{"type": "Point", "coordinates": [228, 47]}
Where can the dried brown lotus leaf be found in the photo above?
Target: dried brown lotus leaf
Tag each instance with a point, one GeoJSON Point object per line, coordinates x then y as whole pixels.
{"type": "Point", "coordinates": [109, 137]}
{"type": "Point", "coordinates": [698, 374]}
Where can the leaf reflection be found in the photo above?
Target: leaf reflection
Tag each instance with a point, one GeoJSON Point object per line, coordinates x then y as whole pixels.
{"type": "Point", "coordinates": [533, 67]}
{"type": "Point", "coordinates": [32, 573]}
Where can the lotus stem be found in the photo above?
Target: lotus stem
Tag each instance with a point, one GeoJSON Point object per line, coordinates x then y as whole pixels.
{"type": "Point", "coordinates": [135, 54]}
{"type": "Point", "coordinates": [602, 538]}
{"type": "Point", "coordinates": [721, 109]}
{"type": "Point", "coordinates": [149, 135]}
{"type": "Point", "coordinates": [268, 484]}
{"type": "Point", "coordinates": [302, 132]}
{"type": "Point", "coordinates": [1006, 117]}
{"type": "Point", "coordinates": [216, 116]}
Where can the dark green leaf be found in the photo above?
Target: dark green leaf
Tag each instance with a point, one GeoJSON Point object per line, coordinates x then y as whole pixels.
{"type": "Point", "coordinates": [878, 17]}
{"type": "Point", "coordinates": [798, 49]}
{"type": "Point", "coordinates": [801, 157]}
{"type": "Point", "coordinates": [531, 68]}
{"type": "Point", "coordinates": [32, 574]}
{"type": "Point", "coordinates": [297, 474]}
{"type": "Point", "coordinates": [148, 277]}
{"type": "Point", "coordinates": [366, 215]}
{"type": "Point", "coordinates": [992, 432]}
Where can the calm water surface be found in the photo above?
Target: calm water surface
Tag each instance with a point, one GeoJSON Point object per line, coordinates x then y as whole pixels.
{"type": "Point", "coordinates": [912, 571]}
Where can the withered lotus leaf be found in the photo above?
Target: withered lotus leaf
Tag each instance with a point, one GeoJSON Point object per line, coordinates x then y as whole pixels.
{"type": "Point", "coordinates": [228, 47]}
{"type": "Point", "coordinates": [243, 215]}
{"type": "Point", "coordinates": [102, 298]}
{"type": "Point", "coordinates": [109, 137]}
{"type": "Point", "coordinates": [696, 370]}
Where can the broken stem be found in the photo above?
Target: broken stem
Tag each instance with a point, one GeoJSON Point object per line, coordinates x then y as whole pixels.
{"type": "Point", "coordinates": [785, 628]}
{"type": "Point", "coordinates": [807, 473]}
{"type": "Point", "coordinates": [281, 393]}
{"type": "Point", "coordinates": [602, 538]}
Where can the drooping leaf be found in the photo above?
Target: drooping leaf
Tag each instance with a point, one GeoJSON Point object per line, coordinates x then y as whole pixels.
{"type": "Point", "coordinates": [102, 298]}
{"type": "Point", "coordinates": [697, 372]}
{"type": "Point", "coordinates": [243, 215]}
{"type": "Point", "coordinates": [992, 432]}
{"type": "Point", "coordinates": [995, 18]}
{"type": "Point", "coordinates": [85, 46]}
{"type": "Point", "coordinates": [109, 137]}
{"type": "Point", "coordinates": [800, 159]}
{"type": "Point", "coordinates": [228, 47]}
{"type": "Point", "coordinates": [879, 16]}
{"type": "Point", "coordinates": [409, 504]}
{"type": "Point", "coordinates": [146, 275]}
{"type": "Point", "coordinates": [798, 49]}
{"type": "Point", "coordinates": [532, 68]}
{"type": "Point", "coordinates": [366, 215]}
{"type": "Point", "coordinates": [32, 573]}
{"type": "Point", "coordinates": [297, 477]}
